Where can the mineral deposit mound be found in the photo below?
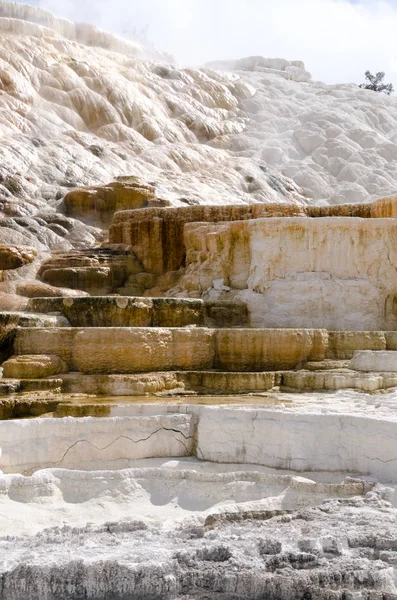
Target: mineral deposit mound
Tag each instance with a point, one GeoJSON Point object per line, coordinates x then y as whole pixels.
{"type": "Point", "coordinates": [198, 325]}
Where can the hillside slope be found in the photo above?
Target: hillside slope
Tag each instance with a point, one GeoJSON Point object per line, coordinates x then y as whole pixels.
{"type": "Point", "coordinates": [80, 107]}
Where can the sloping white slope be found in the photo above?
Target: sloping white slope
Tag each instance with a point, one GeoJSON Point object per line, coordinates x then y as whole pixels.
{"type": "Point", "coordinates": [80, 106]}
{"type": "Point", "coordinates": [74, 114]}
{"type": "Point", "coordinates": [338, 142]}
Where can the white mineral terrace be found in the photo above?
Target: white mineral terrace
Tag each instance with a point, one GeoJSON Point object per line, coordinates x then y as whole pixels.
{"type": "Point", "coordinates": [180, 480]}
{"type": "Point", "coordinates": [198, 360]}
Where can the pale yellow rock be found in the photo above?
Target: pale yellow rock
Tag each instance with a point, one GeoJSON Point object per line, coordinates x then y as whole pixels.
{"type": "Point", "coordinates": [33, 366]}
{"type": "Point", "coordinates": [122, 385]}
{"type": "Point", "coordinates": [96, 205]}
{"type": "Point", "coordinates": [36, 340]}
{"type": "Point", "coordinates": [336, 273]}
{"type": "Point", "coordinates": [143, 349]}
{"type": "Point", "coordinates": [384, 208]}
{"type": "Point", "coordinates": [268, 349]}
{"type": "Point", "coordinates": [157, 234]}
{"type": "Point", "coordinates": [129, 350]}
{"type": "Point", "coordinates": [38, 289]}
{"type": "Point", "coordinates": [170, 383]}
{"type": "Point", "coordinates": [328, 380]}
{"type": "Point", "coordinates": [343, 344]}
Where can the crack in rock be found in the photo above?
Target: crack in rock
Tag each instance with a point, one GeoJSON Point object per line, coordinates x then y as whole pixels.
{"type": "Point", "coordinates": [130, 439]}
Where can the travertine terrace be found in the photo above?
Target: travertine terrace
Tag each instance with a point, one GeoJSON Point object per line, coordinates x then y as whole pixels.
{"type": "Point", "coordinates": [198, 326]}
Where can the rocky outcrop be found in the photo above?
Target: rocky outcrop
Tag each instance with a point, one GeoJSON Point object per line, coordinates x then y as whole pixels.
{"type": "Point", "coordinates": [116, 311]}
{"type": "Point", "coordinates": [384, 208]}
{"type": "Point", "coordinates": [333, 273]}
{"type": "Point", "coordinates": [38, 289]}
{"type": "Point", "coordinates": [8, 327]}
{"type": "Point", "coordinates": [36, 366]}
{"type": "Point", "coordinates": [96, 205]}
{"type": "Point", "coordinates": [157, 235]}
{"type": "Point", "coordinates": [96, 271]}
{"type": "Point", "coordinates": [13, 257]}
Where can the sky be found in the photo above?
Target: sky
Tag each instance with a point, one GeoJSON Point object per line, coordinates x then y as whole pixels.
{"type": "Point", "coordinates": [337, 39]}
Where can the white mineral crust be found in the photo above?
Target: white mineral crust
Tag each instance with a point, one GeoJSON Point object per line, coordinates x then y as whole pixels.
{"type": "Point", "coordinates": [285, 496]}
{"type": "Point", "coordinates": [80, 106]}
{"type": "Point", "coordinates": [368, 360]}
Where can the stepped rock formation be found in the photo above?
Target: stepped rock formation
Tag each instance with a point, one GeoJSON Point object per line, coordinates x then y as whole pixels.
{"type": "Point", "coordinates": [198, 325]}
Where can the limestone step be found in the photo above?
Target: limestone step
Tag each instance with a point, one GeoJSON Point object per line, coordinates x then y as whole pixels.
{"type": "Point", "coordinates": [171, 382]}
{"type": "Point", "coordinates": [218, 383]}
{"type": "Point", "coordinates": [98, 271]}
{"type": "Point", "coordinates": [337, 380]}
{"type": "Point", "coordinates": [9, 321]}
{"type": "Point", "coordinates": [123, 311]}
{"type": "Point", "coordinates": [343, 344]}
{"type": "Point", "coordinates": [368, 360]}
{"type": "Point", "coordinates": [136, 311]}
{"type": "Point", "coordinates": [15, 386]}
{"type": "Point", "coordinates": [145, 349]}
{"type": "Point", "coordinates": [31, 319]}
{"type": "Point", "coordinates": [327, 365]}
{"type": "Point", "coordinates": [33, 366]}
{"type": "Point", "coordinates": [22, 406]}
{"type": "Point", "coordinates": [105, 442]}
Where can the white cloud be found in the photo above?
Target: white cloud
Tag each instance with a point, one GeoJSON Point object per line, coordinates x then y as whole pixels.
{"type": "Point", "coordinates": [337, 39]}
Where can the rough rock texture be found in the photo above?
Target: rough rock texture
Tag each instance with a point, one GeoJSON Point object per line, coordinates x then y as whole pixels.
{"type": "Point", "coordinates": [268, 349]}
{"type": "Point", "coordinates": [8, 326]}
{"type": "Point", "coordinates": [140, 384]}
{"type": "Point", "coordinates": [226, 383]}
{"type": "Point", "coordinates": [82, 107]}
{"type": "Point", "coordinates": [338, 380]}
{"type": "Point", "coordinates": [96, 205]}
{"type": "Point", "coordinates": [12, 257]}
{"type": "Point", "coordinates": [33, 366]}
{"type": "Point", "coordinates": [197, 562]}
{"type": "Point", "coordinates": [38, 289]}
{"type": "Point", "coordinates": [343, 344]}
{"type": "Point", "coordinates": [95, 271]}
{"type": "Point", "coordinates": [115, 311]}
{"type": "Point", "coordinates": [364, 211]}
{"type": "Point", "coordinates": [129, 350]}
{"type": "Point", "coordinates": [306, 438]}
{"type": "Point", "coordinates": [171, 383]}
{"type": "Point", "coordinates": [156, 235]}
{"type": "Point", "coordinates": [332, 273]}
{"type": "Point", "coordinates": [179, 528]}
